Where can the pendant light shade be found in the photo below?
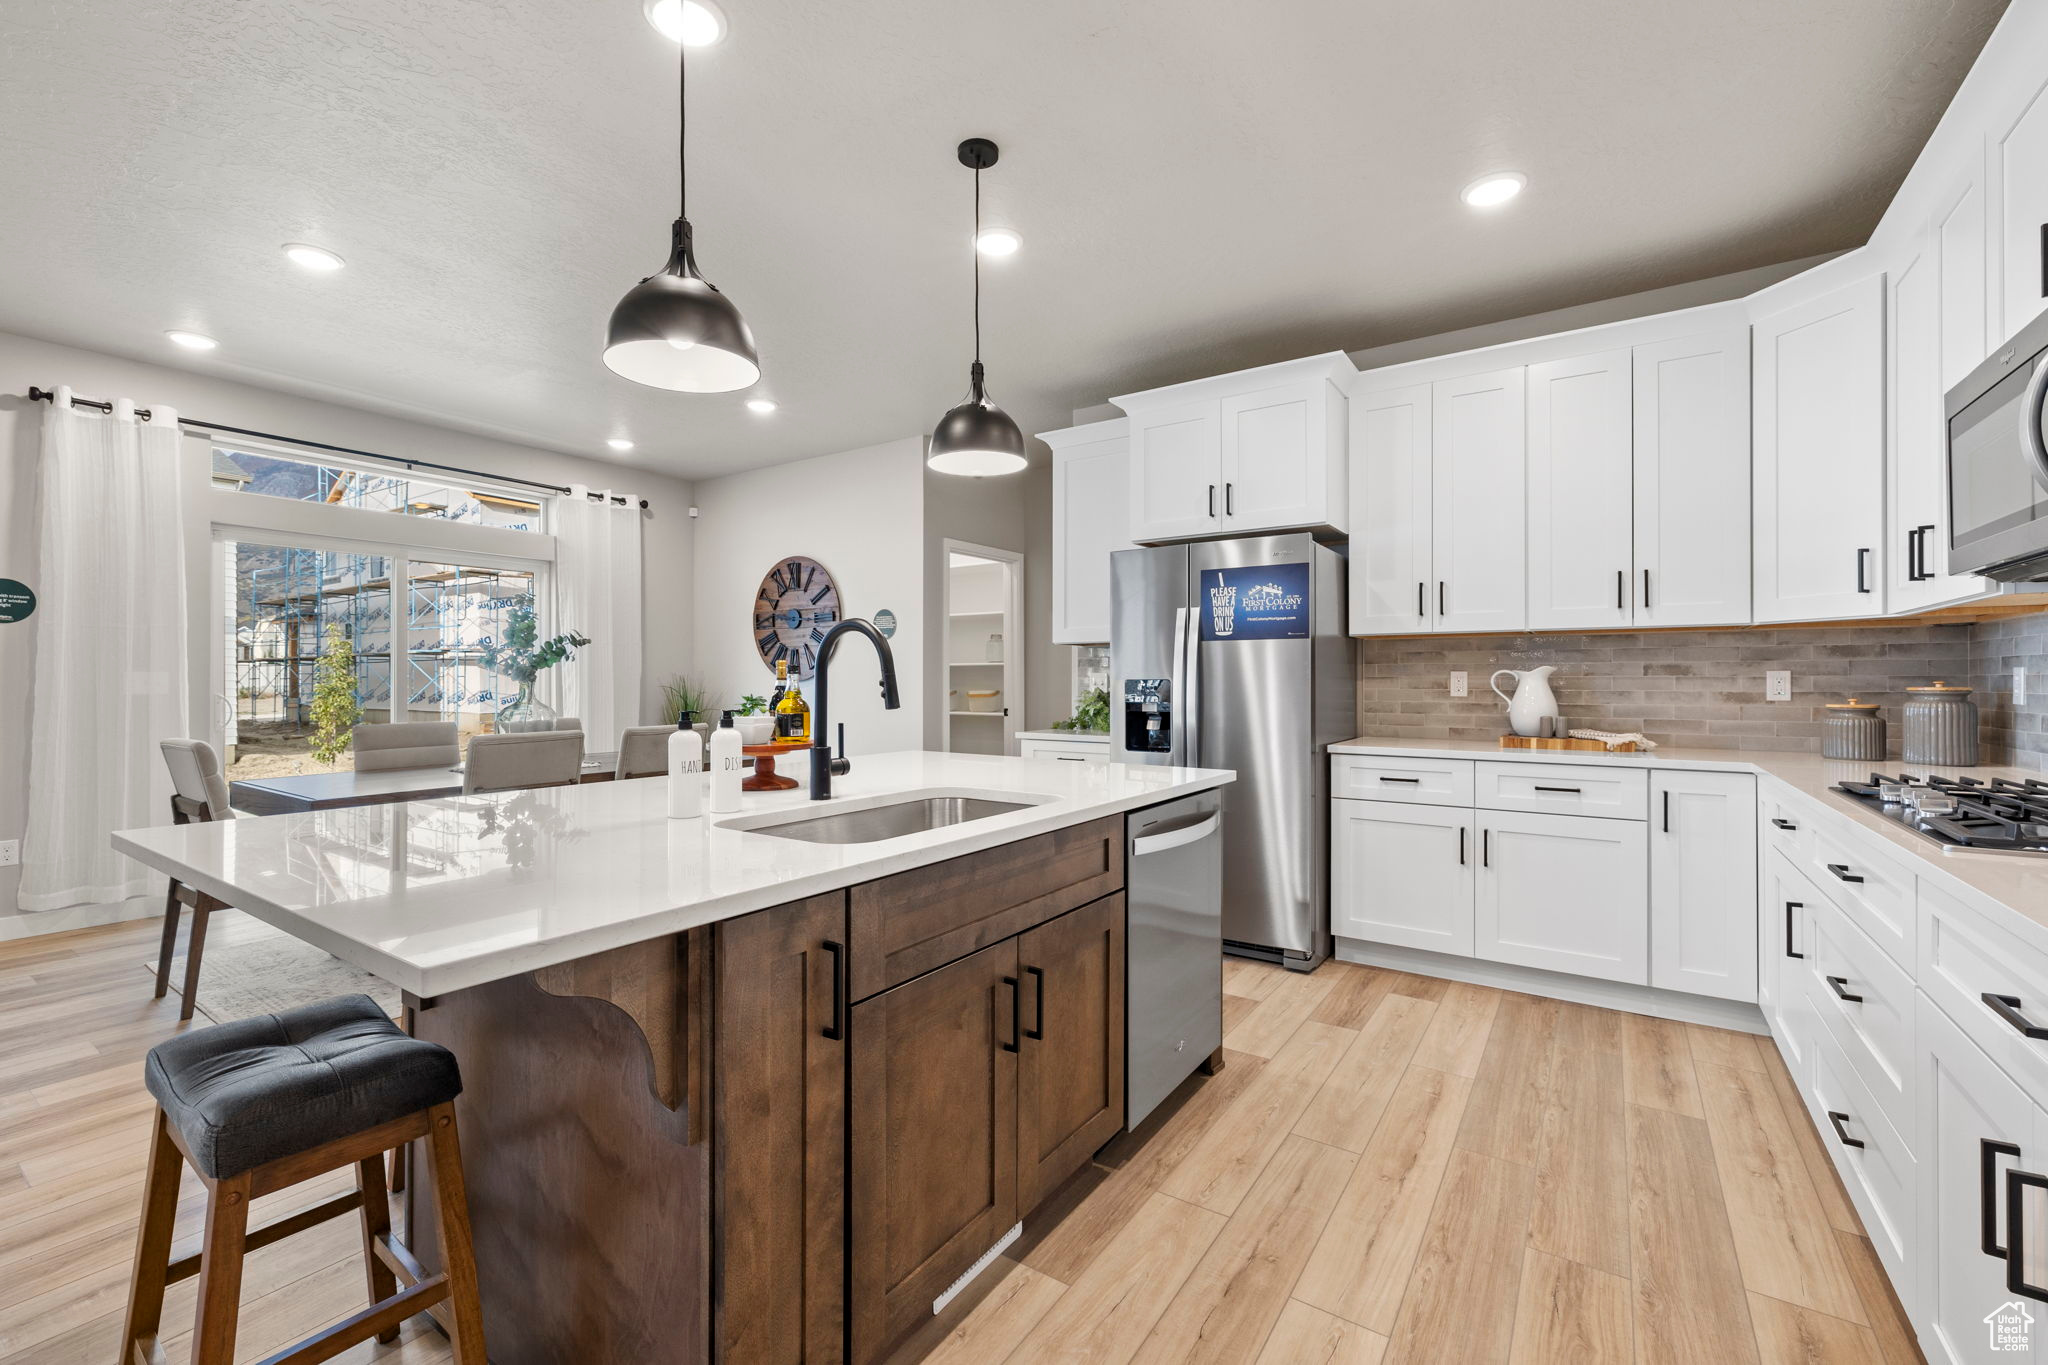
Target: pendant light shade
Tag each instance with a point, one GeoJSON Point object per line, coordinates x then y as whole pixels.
{"type": "Point", "coordinates": [977, 438]}
{"type": "Point", "coordinates": [674, 329]}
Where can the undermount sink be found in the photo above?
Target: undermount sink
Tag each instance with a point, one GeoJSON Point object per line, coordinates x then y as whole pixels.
{"type": "Point", "coordinates": [873, 823]}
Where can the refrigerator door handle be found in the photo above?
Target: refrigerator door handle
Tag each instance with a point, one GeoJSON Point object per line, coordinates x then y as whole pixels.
{"type": "Point", "coordinates": [1178, 736]}
{"type": "Point", "coordinates": [1187, 629]}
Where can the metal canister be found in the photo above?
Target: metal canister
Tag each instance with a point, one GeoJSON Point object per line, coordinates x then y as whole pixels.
{"type": "Point", "coordinates": [1853, 729]}
{"type": "Point", "coordinates": [1941, 726]}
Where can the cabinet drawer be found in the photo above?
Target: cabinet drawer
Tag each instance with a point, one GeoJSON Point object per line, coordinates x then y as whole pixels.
{"type": "Point", "coordinates": [904, 925]}
{"type": "Point", "coordinates": [1880, 1173]}
{"type": "Point", "coordinates": [1963, 958]}
{"type": "Point", "coordinates": [1561, 789]}
{"type": "Point", "coordinates": [1867, 1000]}
{"type": "Point", "coordinates": [1067, 751]}
{"type": "Point", "coordinates": [1874, 888]}
{"type": "Point", "coordinates": [1784, 827]}
{"type": "Point", "coordinates": [1423, 781]}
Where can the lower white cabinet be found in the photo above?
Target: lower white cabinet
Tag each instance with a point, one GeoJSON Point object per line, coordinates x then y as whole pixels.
{"type": "Point", "coordinates": [1703, 883]}
{"type": "Point", "coordinates": [1065, 750]}
{"type": "Point", "coordinates": [1402, 874]}
{"type": "Point", "coordinates": [1566, 893]}
{"type": "Point", "coordinates": [1783, 957]}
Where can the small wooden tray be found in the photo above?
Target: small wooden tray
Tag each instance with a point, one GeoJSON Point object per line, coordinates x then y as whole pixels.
{"type": "Point", "coordinates": [1597, 746]}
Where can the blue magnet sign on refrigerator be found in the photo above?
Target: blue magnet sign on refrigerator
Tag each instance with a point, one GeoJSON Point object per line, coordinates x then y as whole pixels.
{"type": "Point", "coordinates": [1259, 602]}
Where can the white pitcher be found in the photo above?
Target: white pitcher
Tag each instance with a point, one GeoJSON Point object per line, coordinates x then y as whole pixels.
{"type": "Point", "coordinates": [1533, 702]}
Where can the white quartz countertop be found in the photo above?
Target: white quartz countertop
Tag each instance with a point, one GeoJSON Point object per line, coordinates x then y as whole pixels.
{"type": "Point", "coordinates": [435, 896]}
{"type": "Point", "coordinates": [2017, 884]}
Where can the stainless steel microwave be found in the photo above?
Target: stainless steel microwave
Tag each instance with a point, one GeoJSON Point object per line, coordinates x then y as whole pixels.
{"type": "Point", "coordinates": [1998, 463]}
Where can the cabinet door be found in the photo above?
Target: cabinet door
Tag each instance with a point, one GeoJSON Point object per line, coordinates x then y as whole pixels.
{"type": "Point", "coordinates": [1692, 480]}
{"type": "Point", "coordinates": [1070, 1071]}
{"type": "Point", "coordinates": [1819, 446]}
{"type": "Point", "coordinates": [1091, 520]}
{"type": "Point", "coordinates": [1390, 549]}
{"type": "Point", "coordinates": [1785, 955]}
{"type": "Point", "coordinates": [1566, 892]}
{"type": "Point", "coordinates": [1402, 874]}
{"type": "Point", "coordinates": [1965, 279]}
{"type": "Point", "coordinates": [1703, 888]}
{"type": "Point", "coordinates": [1580, 546]}
{"type": "Point", "coordinates": [1176, 472]}
{"type": "Point", "coordinates": [1476, 503]}
{"type": "Point", "coordinates": [1917, 553]}
{"type": "Point", "coordinates": [2019, 149]}
{"type": "Point", "coordinates": [933, 1104]}
{"type": "Point", "coordinates": [1277, 457]}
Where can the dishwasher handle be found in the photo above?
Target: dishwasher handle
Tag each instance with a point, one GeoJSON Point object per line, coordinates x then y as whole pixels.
{"type": "Point", "coordinates": [1175, 838]}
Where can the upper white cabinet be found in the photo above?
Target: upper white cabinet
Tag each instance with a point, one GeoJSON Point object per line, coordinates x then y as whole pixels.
{"type": "Point", "coordinates": [1390, 516]}
{"type": "Point", "coordinates": [1703, 883]}
{"type": "Point", "coordinates": [1580, 434]}
{"type": "Point", "coordinates": [1818, 449]}
{"type": "Point", "coordinates": [1477, 501]}
{"type": "Point", "coordinates": [1091, 520]}
{"type": "Point", "coordinates": [2018, 154]}
{"type": "Point", "coordinates": [1262, 450]}
{"type": "Point", "coordinates": [1691, 462]}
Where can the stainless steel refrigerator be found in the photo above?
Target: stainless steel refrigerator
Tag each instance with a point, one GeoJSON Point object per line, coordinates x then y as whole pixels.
{"type": "Point", "coordinates": [1232, 654]}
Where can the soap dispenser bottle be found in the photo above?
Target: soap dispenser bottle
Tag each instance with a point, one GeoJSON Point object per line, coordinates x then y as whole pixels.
{"type": "Point", "coordinates": [725, 766]}
{"type": "Point", "coordinates": [685, 775]}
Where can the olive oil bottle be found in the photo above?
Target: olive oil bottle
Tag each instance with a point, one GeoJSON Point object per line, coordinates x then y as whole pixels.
{"type": "Point", "coordinates": [792, 713]}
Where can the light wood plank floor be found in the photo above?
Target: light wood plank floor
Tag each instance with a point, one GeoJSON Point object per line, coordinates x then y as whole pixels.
{"type": "Point", "coordinates": [1389, 1171]}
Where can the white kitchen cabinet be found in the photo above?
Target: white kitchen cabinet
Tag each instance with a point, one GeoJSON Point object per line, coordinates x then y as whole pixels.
{"type": "Point", "coordinates": [1065, 750]}
{"type": "Point", "coordinates": [1818, 417]}
{"type": "Point", "coordinates": [1402, 874]}
{"type": "Point", "coordinates": [1703, 883]}
{"type": "Point", "coordinates": [1916, 554]}
{"type": "Point", "coordinates": [1091, 520]}
{"type": "Point", "coordinates": [2018, 152]}
{"type": "Point", "coordinates": [1958, 229]}
{"type": "Point", "coordinates": [1580, 439]}
{"type": "Point", "coordinates": [1176, 470]}
{"type": "Point", "coordinates": [1477, 502]}
{"type": "Point", "coordinates": [1784, 956]}
{"type": "Point", "coordinates": [1390, 517]}
{"type": "Point", "coordinates": [1692, 500]}
{"type": "Point", "coordinates": [1564, 892]}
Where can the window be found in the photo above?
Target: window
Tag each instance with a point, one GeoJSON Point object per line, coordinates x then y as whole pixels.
{"type": "Point", "coordinates": [454, 613]}
{"type": "Point", "coordinates": [297, 479]}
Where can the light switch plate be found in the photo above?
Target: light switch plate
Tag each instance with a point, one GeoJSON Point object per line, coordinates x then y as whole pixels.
{"type": "Point", "coordinates": [1458, 688]}
{"type": "Point", "coordinates": [1778, 684]}
{"type": "Point", "coordinates": [10, 852]}
{"type": "Point", "coordinates": [2019, 684]}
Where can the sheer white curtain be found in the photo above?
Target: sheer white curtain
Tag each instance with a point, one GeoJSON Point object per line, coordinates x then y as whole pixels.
{"type": "Point", "coordinates": [597, 592]}
{"type": "Point", "coordinates": [110, 650]}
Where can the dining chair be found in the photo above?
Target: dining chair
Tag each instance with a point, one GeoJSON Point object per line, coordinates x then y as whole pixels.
{"type": "Point", "coordinates": [199, 795]}
{"type": "Point", "coordinates": [527, 758]}
{"type": "Point", "coordinates": [643, 751]}
{"type": "Point", "coordinates": [568, 722]}
{"type": "Point", "coordinates": [406, 744]}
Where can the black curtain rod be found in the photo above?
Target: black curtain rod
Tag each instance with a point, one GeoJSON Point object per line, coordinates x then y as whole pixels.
{"type": "Point", "coordinates": [36, 395]}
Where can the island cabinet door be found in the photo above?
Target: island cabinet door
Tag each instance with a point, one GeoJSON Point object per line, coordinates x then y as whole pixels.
{"type": "Point", "coordinates": [1070, 1071]}
{"type": "Point", "coordinates": [933, 1104]}
{"type": "Point", "coordinates": [780, 1102]}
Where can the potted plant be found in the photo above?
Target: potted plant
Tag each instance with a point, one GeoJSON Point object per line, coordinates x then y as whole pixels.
{"type": "Point", "coordinates": [1091, 713]}
{"type": "Point", "coordinates": [680, 697]}
{"type": "Point", "coordinates": [523, 657]}
{"type": "Point", "coordinates": [752, 720]}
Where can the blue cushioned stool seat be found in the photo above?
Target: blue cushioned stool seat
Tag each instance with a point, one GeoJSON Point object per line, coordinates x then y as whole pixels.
{"type": "Point", "coordinates": [249, 1092]}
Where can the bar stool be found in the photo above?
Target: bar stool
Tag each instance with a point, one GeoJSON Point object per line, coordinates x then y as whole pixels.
{"type": "Point", "coordinates": [261, 1104]}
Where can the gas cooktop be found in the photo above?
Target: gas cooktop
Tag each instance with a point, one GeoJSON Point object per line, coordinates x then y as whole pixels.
{"type": "Point", "coordinates": [1963, 814]}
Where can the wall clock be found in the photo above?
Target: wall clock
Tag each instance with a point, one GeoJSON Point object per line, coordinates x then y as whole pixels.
{"type": "Point", "coordinates": [794, 607]}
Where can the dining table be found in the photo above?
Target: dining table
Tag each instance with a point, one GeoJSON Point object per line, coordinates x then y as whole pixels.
{"type": "Point", "coordinates": [289, 793]}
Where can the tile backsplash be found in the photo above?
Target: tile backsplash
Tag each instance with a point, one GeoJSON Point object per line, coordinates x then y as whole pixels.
{"type": "Point", "coordinates": [2018, 732]}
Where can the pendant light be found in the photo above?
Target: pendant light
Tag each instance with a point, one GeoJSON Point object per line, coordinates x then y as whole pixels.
{"type": "Point", "coordinates": [674, 330]}
{"type": "Point", "coordinates": [977, 438]}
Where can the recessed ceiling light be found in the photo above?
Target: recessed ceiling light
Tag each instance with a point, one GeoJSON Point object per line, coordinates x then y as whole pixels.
{"type": "Point", "coordinates": [693, 23]}
{"type": "Point", "coordinates": [1491, 191]}
{"type": "Point", "coordinates": [998, 241]}
{"type": "Point", "coordinates": [312, 257]}
{"type": "Point", "coordinates": [619, 443]}
{"type": "Point", "coordinates": [763, 406]}
{"type": "Point", "coordinates": [192, 341]}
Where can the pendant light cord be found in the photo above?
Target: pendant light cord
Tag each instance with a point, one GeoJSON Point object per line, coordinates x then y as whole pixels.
{"type": "Point", "coordinates": [682, 130]}
{"type": "Point", "coordinates": [976, 247]}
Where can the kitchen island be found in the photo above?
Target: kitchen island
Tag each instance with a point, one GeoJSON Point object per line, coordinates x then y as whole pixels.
{"type": "Point", "coordinates": [735, 1088]}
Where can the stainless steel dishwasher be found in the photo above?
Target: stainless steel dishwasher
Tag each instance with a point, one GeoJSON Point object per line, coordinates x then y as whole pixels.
{"type": "Point", "coordinates": [1173, 1004]}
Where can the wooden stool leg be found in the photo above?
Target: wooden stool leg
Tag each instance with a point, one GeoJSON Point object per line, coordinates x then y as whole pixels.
{"type": "Point", "coordinates": [376, 1217]}
{"type": "Point", "coordinates": [193, 950]}
{"type": "Point", "coordinates": [153, 1243]}
{"type": "Point", "coordinates": [458, 1253]}
{"type": "Point", "coordinates": [405, 1021]}
{"type": "Point", "coordinates": [220, 1270]}
{"type": "Point", "coordinates": [170, 944]}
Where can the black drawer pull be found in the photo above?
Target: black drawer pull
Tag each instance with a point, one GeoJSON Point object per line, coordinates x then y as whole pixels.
{"type": "Point", "coordinates": [2016, 1184]}
{"type": "Point", "coordinates": [2007, 1007]}
{"type": "Point", "coordinates": [1841, 1132]}
{"type": "Point", "coordinates": [1842, 871]}
{"type": "Point", "coordinates": [1783, 823]}
{"type": "Point", "coordinates": [1037, 1034]}
{"type": "Point", "coordinates": [1016, 1014]}
{"type": "Point", "coordinates": [1573, 790]}
{"type": "Point", "coordinates": [1988, 1152]}
{"type": "Point", "coordinates": [1837, 982]}
{"type": "Point", "coordinates": [836, 1030]}
{"type": "Point", "coordinates": [1790, 906]}
{"type": "Point", "coordinates": [1411, 781]}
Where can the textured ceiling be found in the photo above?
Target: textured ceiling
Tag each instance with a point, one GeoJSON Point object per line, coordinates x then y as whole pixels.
{"type": "Point", "coordinates": [1200, 186]}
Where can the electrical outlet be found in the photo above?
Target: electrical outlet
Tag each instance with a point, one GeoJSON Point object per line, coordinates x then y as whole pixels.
{"type": "Point", "coordinates": [10, 852]}
{"type": "Point", "coordinates": [1458, 688]}
{"type": "Point", "coordinates": [2019, 684]}
{"type": "Point", "coordinates": [1778, 684]}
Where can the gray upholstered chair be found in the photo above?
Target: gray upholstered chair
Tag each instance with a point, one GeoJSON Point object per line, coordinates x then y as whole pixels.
{"type": "Point", "coordinates": [643, 751]}
{"type": "Point", "coordinates": [568, 722]}
{"type": "Point", "coordinates": [199, 795]}
{"type": "Point", "coordinates": [530, 758]}
{"type": "Point", "coordinates": [406, 744]}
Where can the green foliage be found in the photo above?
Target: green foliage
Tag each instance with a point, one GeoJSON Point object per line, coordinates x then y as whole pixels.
{"type": "Point", "coordinates": [751, 705]}
{"type": "Point", "coordinates": [1091, 713]}
{"type": "Point", "coordinates": [335, 708]}
{"type": "Point", "coordinates": [519, 658]}
{"type": "Point", "coordinates": [679, 694]}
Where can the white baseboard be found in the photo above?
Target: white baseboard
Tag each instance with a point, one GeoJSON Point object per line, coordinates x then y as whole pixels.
{"type": "Point", "coordinates": [1583, 990]}
{"type": "Point", "coordinates": [28, 924]}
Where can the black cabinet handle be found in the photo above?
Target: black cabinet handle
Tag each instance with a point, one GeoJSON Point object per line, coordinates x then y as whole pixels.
{"type": "Point", "coordinates": [1863, 570]}
{"type": "Point", "coordinates": [1842, 871]}
{"type": "Point", "coordinates": [1420, 609]}
{"type": "Point", "coordinates": [2017, 1182]}
{"type": "Point", "coordinates": [1843, 1133]}
{"type": "Point", "coordinates": [2007, 1007]}
{"type": "Point", "coordinates": [1439, 597]}
{"type": "Point", "coordinates": [1667, 812]}
{"type": "Point", "coordinates": [1988, 1152]}
{"type": "Point", "coordinates": [1837, 982]}
{"type": "Point", "coordinates": [1037, 1035]}
{"type": "Point", "coordinates": [1646, 589]}
{"type": "Point", "coordinates": [1783, 823]}
{"type": "Point", "coordinates": [1573, 790]}
{"type": "Point", "coordinates": [1461, 846]}
{"type": "Point", "coordinates": [1016, 1013]}
{"type": "Point", "coordinates": [1620, 589]}
{"type": "Point", "coordinates": [1486, 848]}
{"type": "Point", "coordinates": [1790, 906]}
{"type": "Point", "coordinates": [1412, 781]}
{"type": "Point", "coordinates": [1212, 499]}
{"type": "Point", "coordinates": [836, 1030]}
{"type": "Point", "coordinates": [1229, 499]}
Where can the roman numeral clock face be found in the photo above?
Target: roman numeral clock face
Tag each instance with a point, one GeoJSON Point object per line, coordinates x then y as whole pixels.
{"type": "Point", "coordinates": [797, 603]}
